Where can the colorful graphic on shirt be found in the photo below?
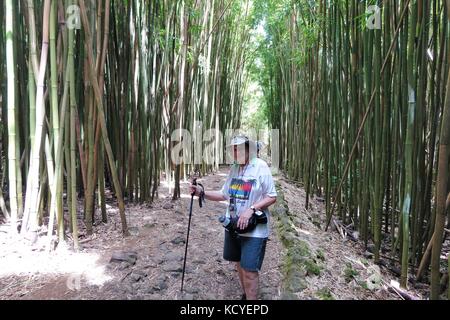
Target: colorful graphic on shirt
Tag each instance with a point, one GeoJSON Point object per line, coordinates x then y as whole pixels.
{"type": "Point", "coordinates": [240, 189]}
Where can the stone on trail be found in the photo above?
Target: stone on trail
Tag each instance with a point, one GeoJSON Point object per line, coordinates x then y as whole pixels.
{"type": "Point", "coordinates": [168, 206]}
{"type": "Point", "coordinates": [220, 272]}
{"type": "Point", "coordinates": [188, 296]}
{"type": "Point", "coordinates": [192, 290]}
{"type": "Point", "coordinates": [173, 267]}
{"type": "Point", "coordinates": [134, 231]}
{"type": "Point", "coordinates": [161, 285]}
{"type": "Point", "coordinates": [124, 256]}
{"type": "Point", "coordinates": [198, 261]}
{"type": "Point", "coordinates": [138, 275]}
{"type": "Point", "coordinates": [173, 256]}
{"type": "Point", "coordinates": [178, 240]}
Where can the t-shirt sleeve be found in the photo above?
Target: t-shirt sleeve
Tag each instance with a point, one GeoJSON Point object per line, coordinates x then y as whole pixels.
{"type": "Point", "coordinates": [267, 184]}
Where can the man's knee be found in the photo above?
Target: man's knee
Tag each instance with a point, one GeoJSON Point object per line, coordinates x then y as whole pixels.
{"type": "Point", "coordinates": [250, 275]}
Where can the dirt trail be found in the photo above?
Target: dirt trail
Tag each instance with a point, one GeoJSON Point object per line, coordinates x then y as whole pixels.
{"type": "Point", "coordinates": [156, 250]}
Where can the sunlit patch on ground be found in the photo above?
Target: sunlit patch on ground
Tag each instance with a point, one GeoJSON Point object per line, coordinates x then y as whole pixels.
{"type": "Point", "coordinates": [19, 258]}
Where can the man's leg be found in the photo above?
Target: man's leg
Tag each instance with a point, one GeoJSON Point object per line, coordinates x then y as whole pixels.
{"type": "Point", "coordinates": [251, 280]}
{"type": "Point", "coordinates": [241, 275]}
{"type": "Point", "coordinates": [253, 250]}
{"type": "Point", "coordinates": [232, 252]}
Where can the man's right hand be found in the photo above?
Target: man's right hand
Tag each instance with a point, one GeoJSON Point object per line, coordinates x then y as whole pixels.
{"type": "Point", "coordinates": [196, 190]}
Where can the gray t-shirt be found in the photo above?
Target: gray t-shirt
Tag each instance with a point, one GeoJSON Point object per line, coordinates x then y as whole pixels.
{"type": "Point", "coordinates": [247, 186]}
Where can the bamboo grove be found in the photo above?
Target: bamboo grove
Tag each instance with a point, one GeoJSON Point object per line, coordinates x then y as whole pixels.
{"type": "Point", "coordinates": [361, 96]}
{"type": "Point", "coordinates": [90, 93]}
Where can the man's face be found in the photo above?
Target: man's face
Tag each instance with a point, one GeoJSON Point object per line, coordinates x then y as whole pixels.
{"type": "Point", "coordinates": [239, 153]}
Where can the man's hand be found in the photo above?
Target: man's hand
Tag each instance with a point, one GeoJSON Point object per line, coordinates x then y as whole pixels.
{"type": "Point", "coordinates": [196, 190]}
{"type": "Point", "coordinates": [243, 219]}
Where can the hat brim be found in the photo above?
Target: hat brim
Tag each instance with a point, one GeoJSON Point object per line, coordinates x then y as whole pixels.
{"type": "Point", "coordinates": [232, 144]}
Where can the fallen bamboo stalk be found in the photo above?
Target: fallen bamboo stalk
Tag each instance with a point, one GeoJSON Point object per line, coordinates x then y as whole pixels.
{"type": "Point", "coordinates": [402, 293]}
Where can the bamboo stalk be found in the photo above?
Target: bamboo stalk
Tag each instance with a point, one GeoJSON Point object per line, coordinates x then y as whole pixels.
{"type": "Point", "coordinates": [30, 213]}
{"type": "Point", "coordinates": [56, 185]}
{"type": "Point", "coordinates": [73, 145]}
{"type": "Point", "coordinates": [12, 121]}
{"type": "Point", "coordinates": [57, 131]}
{"type": "Point", "coordinates": [3, 208]}
{"type": "Point", "coordinates": [441, 189]}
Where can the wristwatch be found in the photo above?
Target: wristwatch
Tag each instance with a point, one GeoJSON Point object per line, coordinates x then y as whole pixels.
{"type": "Point", "coordinates": [254, 209]}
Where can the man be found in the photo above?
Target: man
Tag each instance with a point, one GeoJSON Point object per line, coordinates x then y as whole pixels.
{"type": "Point", "coordinates": [249, 191]}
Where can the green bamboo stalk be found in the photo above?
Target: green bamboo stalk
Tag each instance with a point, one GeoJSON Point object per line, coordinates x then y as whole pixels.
{"type": "Point", "coordinates": [32, 102]}
{"type": "Point", "coordinates": [89, 192]}
{"type": "Point", "coordinates": [56, 183]}
{"type": "Point", "coordinates": [12, 125]}
{"type": "Point", "coordinates": [73, 144]}
{"type": "Point", "coordinates": [409, 160]}
{"type": "Point", "coordinates": [3, 208]}
{"type": "Point", "coordinates": [56, 121]}
{"type": "Point", "coordinates": [30, 213]}
{"type": "Point", "coordinates": [33, 42]}
{"type": "Point", "coordinates": [67, 163]}
{"type": "Point", "coordinates": [20, 116]}
{"type": "Point", "coordinates": [101, 185]}
{"type": "Point", "coordinates": [2, 67]}
{"type": "Point", "coordinates": [378, 128]}
{"type": "Point", "coordinates": [441, 189]}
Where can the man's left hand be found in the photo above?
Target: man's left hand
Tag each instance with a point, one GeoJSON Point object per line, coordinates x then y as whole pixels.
{"type": "Point", "coordinates": [243, 219]}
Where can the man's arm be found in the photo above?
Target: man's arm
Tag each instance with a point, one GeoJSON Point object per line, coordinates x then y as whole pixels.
{"type": "Point", "coordinates": [265, 203]}
{"type": "Point", "coordinates": [260, 205]}
{"type": "Point", "coordinates": [214, 196]}
{"type": "Point", "coordinates": [209, 195]}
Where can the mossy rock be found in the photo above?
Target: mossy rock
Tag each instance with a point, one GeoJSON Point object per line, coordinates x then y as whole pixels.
{"type": "Point", "coordinates": [296, 284]}
{"type": "Point", "coordinates": [288, 296]}
{"type": "Point", "coordinates": [299, 261]}
{"type": "Point", "coordinates": [320, 255]}
{"type": "Point", "coordinates": [300, 248]}
{"type": "Point", "coordinates": [312, 267]}
{"type": "Point", "coordinates": [363, 284]}
{"type": "Point", "coordinates": [365, 262]}
{"type": "Point", "coordinates": [350, 273]}
{"type": "Point", "coordinates": [279, 211]}
{"type": "Point", "coordinates": [325, 294]}
{"type": "Point", "coordinates": [317, 224]}
{"type": "Point", "coordinates": [289, 239]}
{"type": "Point", "coordinates": [284, 222]}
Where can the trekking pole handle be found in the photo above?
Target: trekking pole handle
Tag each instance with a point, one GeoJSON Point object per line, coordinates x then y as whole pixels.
{"type": "Point", "coordinates": [194, 183]}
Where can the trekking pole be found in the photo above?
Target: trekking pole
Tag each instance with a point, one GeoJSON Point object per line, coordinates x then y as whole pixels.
{"type": "Point", "coordinates": [194, 182]}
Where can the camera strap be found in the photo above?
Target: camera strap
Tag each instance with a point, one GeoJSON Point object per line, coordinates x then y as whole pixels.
{"type": "Point", "coordinates": [201, 198]}
{"type": "Point", "coordinates": [227, 214]}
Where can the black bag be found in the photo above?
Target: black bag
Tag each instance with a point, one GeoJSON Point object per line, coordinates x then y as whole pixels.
{"type": "Point", "coordinates": [230, 223]}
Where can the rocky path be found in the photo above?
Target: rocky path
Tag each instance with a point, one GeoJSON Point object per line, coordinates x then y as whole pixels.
{"type": "Point", "coordinates": [302, 261]}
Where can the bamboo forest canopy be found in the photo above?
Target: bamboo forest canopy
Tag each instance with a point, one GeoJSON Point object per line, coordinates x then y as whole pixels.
{"type": "Point", "coordinates": [91, 93]}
